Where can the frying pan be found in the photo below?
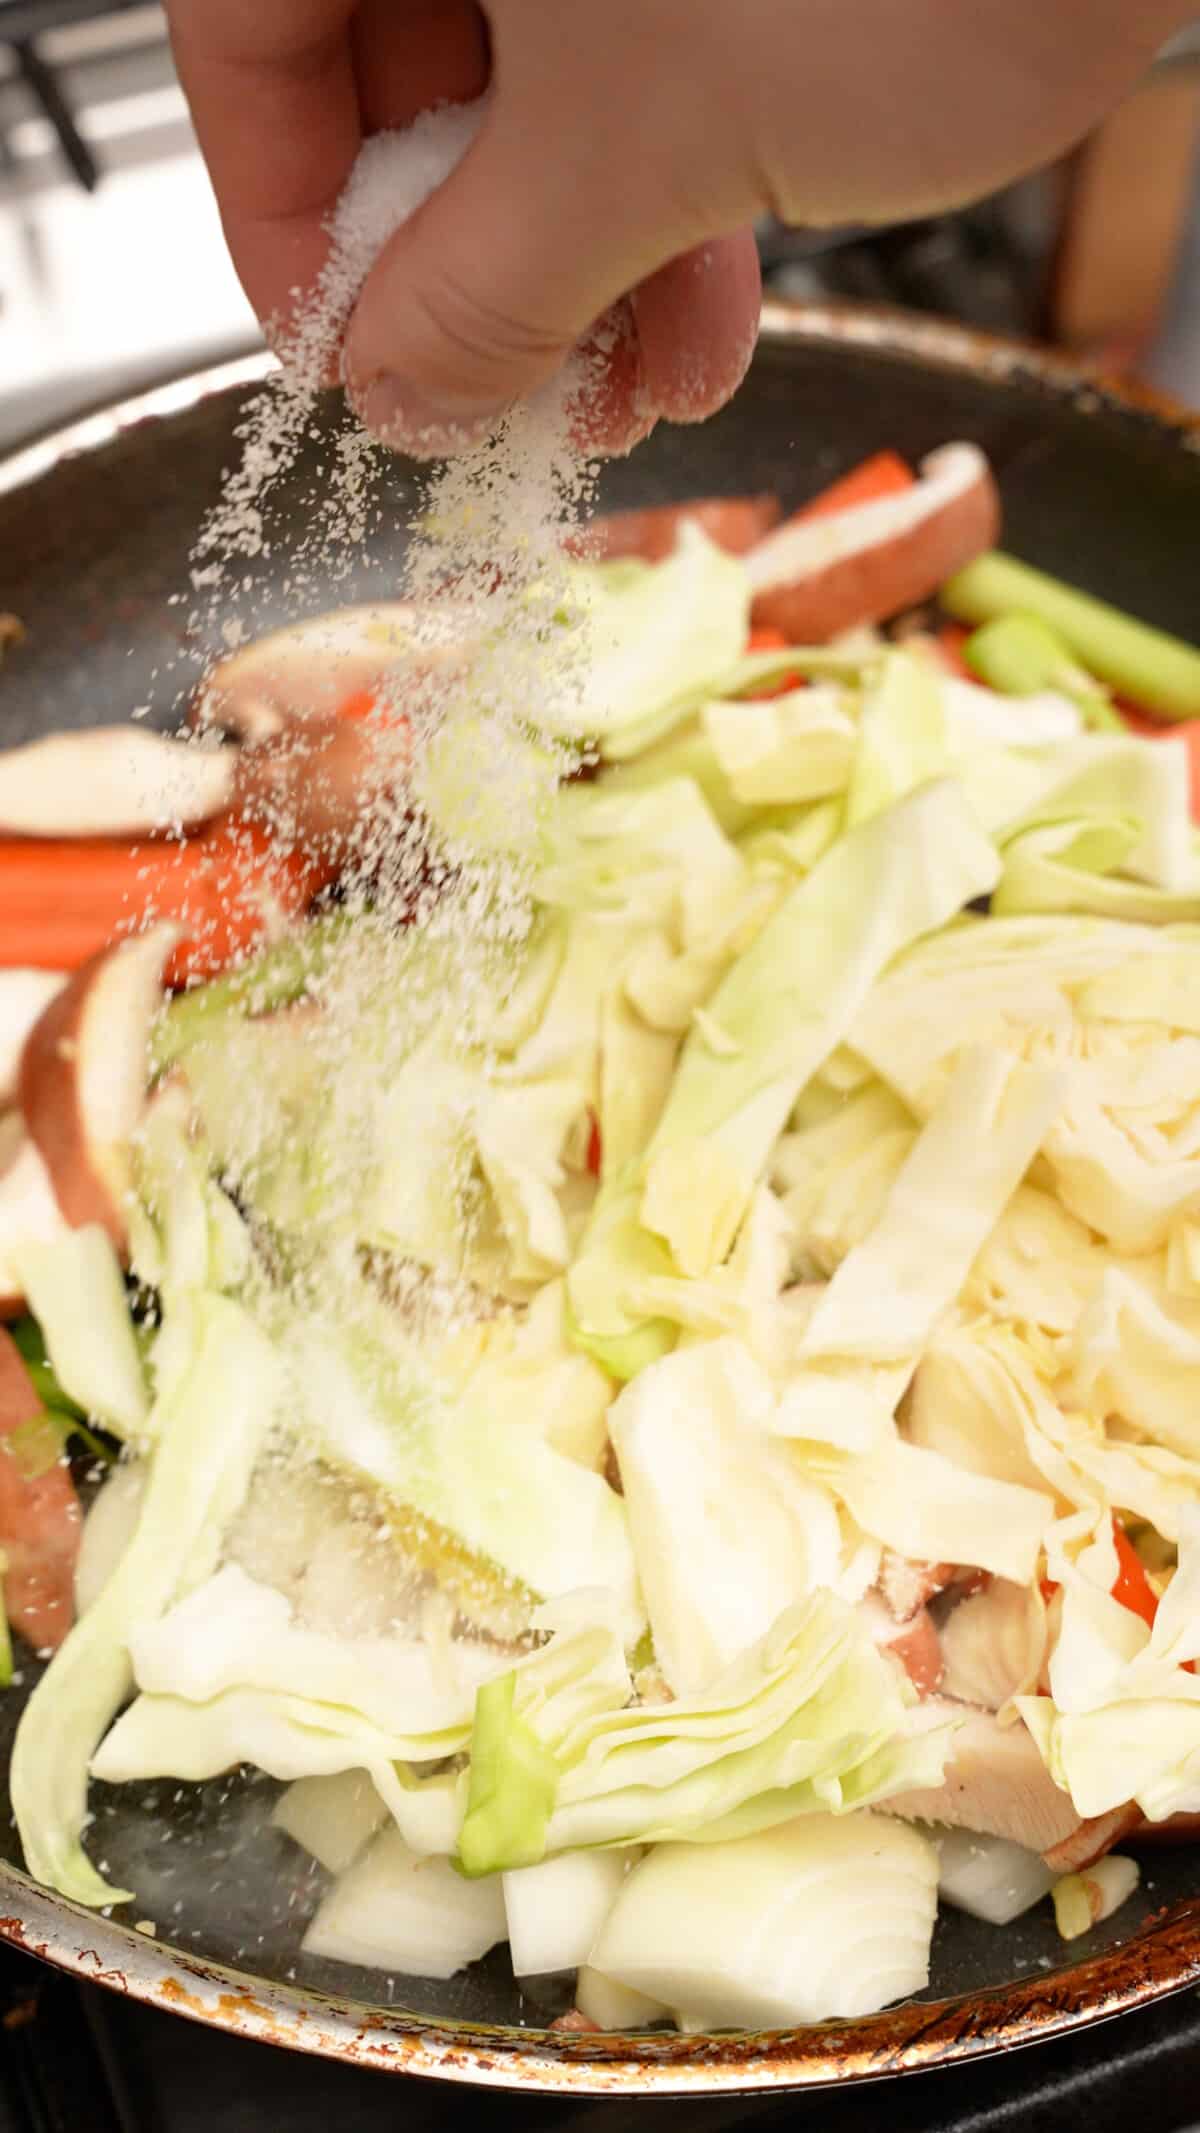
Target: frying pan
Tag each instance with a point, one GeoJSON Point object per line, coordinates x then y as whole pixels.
{"type": "Point", "coordinates": [96, 523]}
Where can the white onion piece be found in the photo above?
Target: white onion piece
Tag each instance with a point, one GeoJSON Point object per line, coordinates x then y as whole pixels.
{"type": "Point", "coordinates": [307, 668]}
{"type": "Point", "coordinates": [331, 1818]}
{"type": "Point", "coordinates": [613, 2006]}
{"type": "Point", "coordinates": [413, 1917]}
{"type": "Point", "coordinates": [556, 1909]}
{"type": "Point", "coordinates": [1081, 1901]}
{"type": "Point", "coordinates": [988, 1877]}
{"type": "Point", "coordinates": [820, 1917]}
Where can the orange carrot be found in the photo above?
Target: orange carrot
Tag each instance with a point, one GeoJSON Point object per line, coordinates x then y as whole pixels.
{"type": "Point", "coordinates": [950, 640]}
{"type": "Point", "coordinates": [61, 900]}
{"type": "Point", "coordinates": [1131, 1586]}
{"type": "Point", "coordinates": [594, 1148]}
{"type": "Point", "coordinates": [764, 637]}
{"type": "Point", "coordinates": [884, 474]}
{"type": "Point", "coordinates": [363, 704]}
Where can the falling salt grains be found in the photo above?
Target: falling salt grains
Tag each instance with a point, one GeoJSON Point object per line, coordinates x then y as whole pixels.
{"type": "Point", "coordinates": [461, 770]}
{"type": "Point", "coordinates": [394, 174]}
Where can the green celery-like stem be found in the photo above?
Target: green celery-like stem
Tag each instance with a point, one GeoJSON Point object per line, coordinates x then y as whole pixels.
{"type": "Point", "coordinates": [274, 978]}
{"type": "Point", "coordinates": [1159, 673]}
{"type": "Point", "coordinates": [1020, 655]}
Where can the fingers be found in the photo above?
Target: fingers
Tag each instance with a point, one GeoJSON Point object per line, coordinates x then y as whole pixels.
{"type": "Point", "coordinates": [697, 322]}
{"type": "Point", "coordinates": [473, 304]}
{"type": "Point", "coordinates": [275, 107]}
{"type": "Point", "coordinates": [480, 298]}
{"type": "Point", "coordinates": [408, 57]}
{"type": "Point", "coordinates": [482, 295]}
{"type": "Point", "coordinates": [676, 350]}
{"type": "Point", "coordinates": [282, 93]}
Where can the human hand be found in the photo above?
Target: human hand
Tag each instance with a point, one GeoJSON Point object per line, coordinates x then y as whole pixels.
{"type": "Point", "coordinates": [626, 148]}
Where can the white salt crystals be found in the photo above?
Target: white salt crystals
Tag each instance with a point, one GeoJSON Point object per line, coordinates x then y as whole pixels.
{"type": "Point", "coordinates": [445, 849]}
{"type": "Point", "coordinates": [393, 176]}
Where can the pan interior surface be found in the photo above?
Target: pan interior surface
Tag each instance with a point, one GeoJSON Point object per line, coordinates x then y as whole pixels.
{"type": "Point", "coordinates": [1105, 495]}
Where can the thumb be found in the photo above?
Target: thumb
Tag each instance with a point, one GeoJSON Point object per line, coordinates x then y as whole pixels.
{"type": "Point", "coordinates": [486, 289]}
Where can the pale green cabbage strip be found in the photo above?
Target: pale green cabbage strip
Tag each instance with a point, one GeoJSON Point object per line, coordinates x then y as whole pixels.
{"type": "Point", "coordinates": [206, 1439]}
{"type": "Point", "coordinates": [828, 1154]}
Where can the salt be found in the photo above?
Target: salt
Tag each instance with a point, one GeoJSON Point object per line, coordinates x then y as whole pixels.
{"type": "Point", "coordinates": [489, 526]}
{"type": "Point", "coordinates": [394, 175]}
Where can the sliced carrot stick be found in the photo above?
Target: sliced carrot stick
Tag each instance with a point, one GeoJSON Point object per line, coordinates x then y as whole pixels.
{"type": "Point", "coordinates": [884, 474]}
{"type": "Point", "coordinates": [368, 704]}
{"type": "Point", "coordinates": [950, 640]}
{"type": "Point", "coordinates": [1131, 1587]}
{"type": "Point", "coordinates": [764, 637]}
{"type": "Point", "coordinates": [62, 900]}
{"type": "Point", "coordinates": [363, 704]}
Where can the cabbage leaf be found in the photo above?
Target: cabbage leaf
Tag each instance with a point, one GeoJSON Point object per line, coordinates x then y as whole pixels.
{"type": "Point", "coordinates": [811, 1718]}
{"type": "Point", "coordinates": [784, 1005]}
{"type": "Point", "coordinates": [205, 1435]}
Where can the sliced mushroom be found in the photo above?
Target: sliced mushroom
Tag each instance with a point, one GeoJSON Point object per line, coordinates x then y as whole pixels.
{"type": "Point", "coordinates": [815, 577]}
{"type": "Point", "coordinates": [83, 1077]}
{"type": "Point", "coordinates": [995, 1644]}
{"type": "Point", "coordinates": [23, 996]}
{"type": "Point", "coordinates": [905, 1586]}
{"type": "Point", "coordinates": [308, 669]}
{"type": "Point", "coordinates": [112, 781]}
{"type": "Point", "coordinates": [1092, 1839]}
{"type": "Point", "coordinates": [29, 1209]}
{"type": "Point", "coordinates": [315, 785]}
{"type": "Point", "coordinates": [734, 523]}
{"type": "Point", "coordinates": [995, 1782]}
{"type": "Point", "coordinates": [914, 1642]}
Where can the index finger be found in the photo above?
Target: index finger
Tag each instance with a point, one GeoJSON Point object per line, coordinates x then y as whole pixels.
{"type": "Point", "coordinates": [275, 107]}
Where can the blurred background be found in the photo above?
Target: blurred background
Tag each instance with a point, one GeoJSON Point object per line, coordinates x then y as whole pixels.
{"type": "Point", "coordinates": [113, 273]}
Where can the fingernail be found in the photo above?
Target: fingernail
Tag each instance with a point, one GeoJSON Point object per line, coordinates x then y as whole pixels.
{"type": "Point", "coordinates": [405, 420]}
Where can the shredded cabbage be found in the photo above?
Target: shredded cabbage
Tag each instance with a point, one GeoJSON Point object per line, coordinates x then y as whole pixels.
{"type": "Point", "coordinates": [801, 1219]}
{"type": "Point", "coordinates": [811, 1717]}
{"type": "Point", "coordinates": [206, 1432]}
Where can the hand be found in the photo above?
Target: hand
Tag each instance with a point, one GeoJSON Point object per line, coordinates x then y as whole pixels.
{"type": "Point", "coordinates": [627, 147]}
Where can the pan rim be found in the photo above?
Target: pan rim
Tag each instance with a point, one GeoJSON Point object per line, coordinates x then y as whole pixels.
{"type": "Point", "coordinates": [1161, 1959]}
{"type": "Point", "coordinates": [940, 342]}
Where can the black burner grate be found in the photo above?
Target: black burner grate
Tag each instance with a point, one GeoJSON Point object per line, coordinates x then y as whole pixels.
{"type": "Point", "coordinates": [22, 22]}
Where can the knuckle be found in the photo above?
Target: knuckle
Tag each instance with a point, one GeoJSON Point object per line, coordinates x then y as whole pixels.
{"type": "Point", "coordinates": [483, 332]}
